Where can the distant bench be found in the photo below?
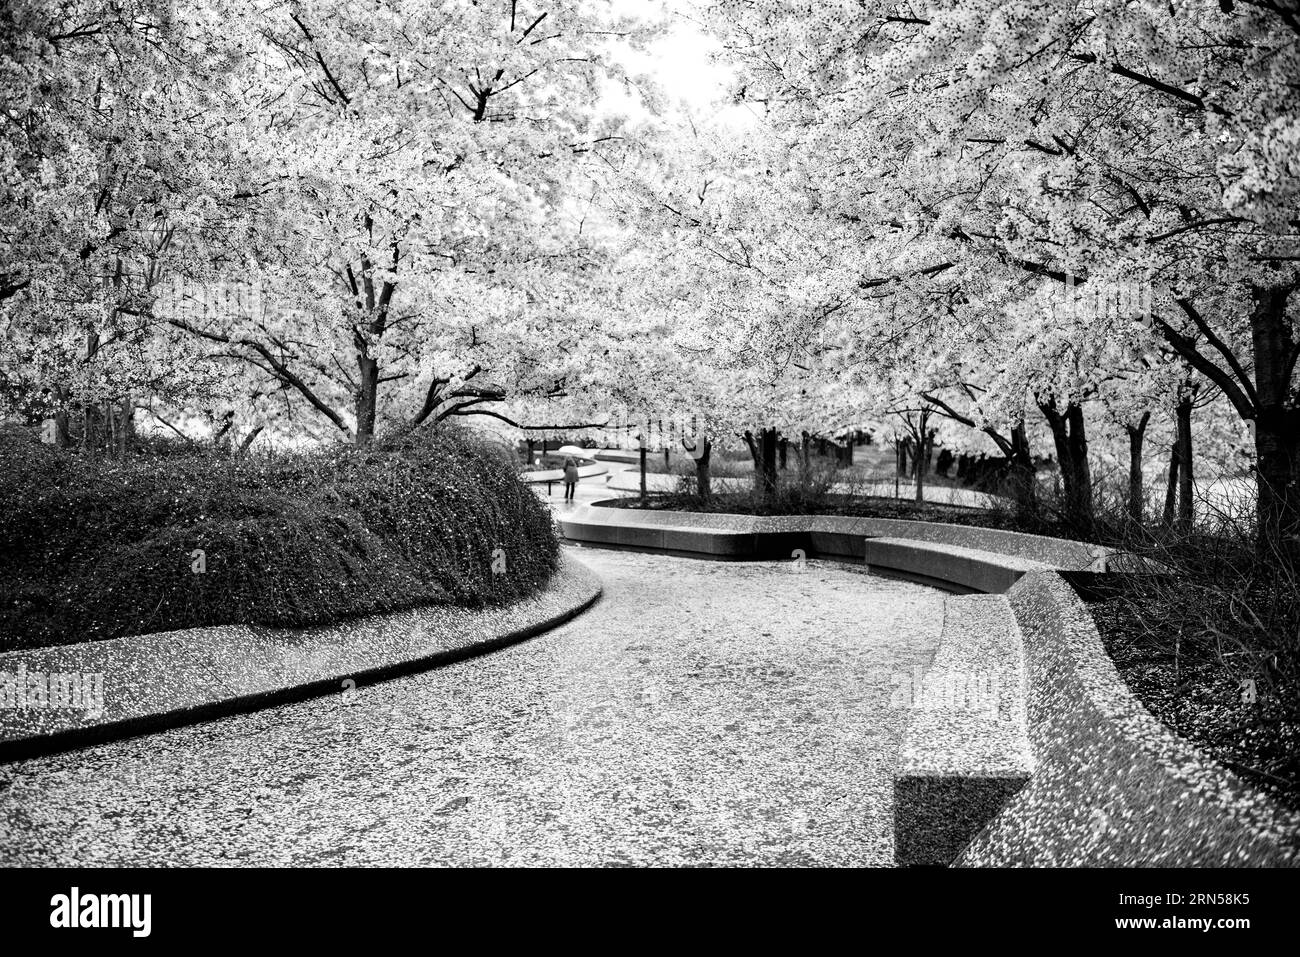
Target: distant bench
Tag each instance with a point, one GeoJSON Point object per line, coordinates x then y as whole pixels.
{"type": "Point", "coordinates": [955, 557]}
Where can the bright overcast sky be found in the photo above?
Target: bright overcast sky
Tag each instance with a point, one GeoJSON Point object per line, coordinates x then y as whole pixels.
{"type": "Point", "coordinates": [681, 62]}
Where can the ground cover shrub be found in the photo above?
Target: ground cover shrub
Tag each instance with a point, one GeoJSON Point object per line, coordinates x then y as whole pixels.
{"type": "Point", "coordinates": [175, 536]}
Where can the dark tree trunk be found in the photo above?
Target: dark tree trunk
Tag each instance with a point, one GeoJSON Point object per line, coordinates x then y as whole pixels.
{"type": "Point", "coordinates": [62, 437]}
{"type": "Point", "coordinates": [1277, 422]}
{"type": "Point", "coordinates": [762, 449]}
{"type": "Point", "coordinates": [918, 472]}
{"type": "Point", "coordinates": [784, 448]}
{"type": "Point", "coordinates": [848, 449]}
{"type": "Point", "coordinates": [644, 491]}
{"type": "Point", "coordinates": [921, 460]}
{"type": "Point", "coordinates": [703, 480]}
{"type": "Point", "coordinates": [1171, 487]}
{"type": "Point", "coordinates": [1022, 478]}
{"type": "Point", "coordinates": [367, 398]}
{"type": "Point", "coordinates": [768, 473]}
{"type": "Point", "coordinates": [1185, 463]}
{"type": "Point", "coordinates": [248, 440]}
{"type": "Point", "coordinates": [1136, 491]}
{"type": "Point", "coordinates": [126, 431]}
{"type": "Point", "coordinates": [1071, 442]}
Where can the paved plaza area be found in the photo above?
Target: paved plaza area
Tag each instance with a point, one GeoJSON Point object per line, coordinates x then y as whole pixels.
{"type": "Point", "coordinates": [701, 713]}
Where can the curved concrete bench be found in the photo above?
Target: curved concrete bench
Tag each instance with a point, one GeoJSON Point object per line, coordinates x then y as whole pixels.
{"type": "Point", "coordinates": [955, 557]}
{"type": "Point", "coordinates": [967, 750]}
{"type": "Point", "coordinates": [1113, 786]}
{"type": "Point", "coordinates": [152, 682]}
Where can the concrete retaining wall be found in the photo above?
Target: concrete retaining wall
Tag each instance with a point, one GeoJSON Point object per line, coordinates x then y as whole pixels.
{"type": "Point", "coordinates": [1113, 786]}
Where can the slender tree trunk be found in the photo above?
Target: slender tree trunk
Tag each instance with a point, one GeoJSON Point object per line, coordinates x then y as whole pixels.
{"type": "Point", "coordinates": [1136, 491]}
{"type": "Point", "coordinates": [1022, 478]}
{"type": "Point", "coordinates": [1171, 487]}
{"type": "Point", "coordinates": [918, 472]}
{"type": "Point", "coordinates": [848, 449]}
{"type": "Point", "coordinates": [1185, 464]}
{"type": "Point", "coordinates": [249, 439]}
{"type": "Point", "coordinates": [768, 472]}
{"type": "Point", "coordinates": [644, 490]}
{"type": "Point", "coordinates": [784, 448]}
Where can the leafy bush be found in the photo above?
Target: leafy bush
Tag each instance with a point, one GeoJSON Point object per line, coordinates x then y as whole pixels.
{"type": "Point", "coordinates": [95, 548]}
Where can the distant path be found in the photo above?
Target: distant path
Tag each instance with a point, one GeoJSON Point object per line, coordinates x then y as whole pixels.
{"type": "Point", "coordinates": [701, 713]}
{"type": "Point", "coordinates": [622, 479]}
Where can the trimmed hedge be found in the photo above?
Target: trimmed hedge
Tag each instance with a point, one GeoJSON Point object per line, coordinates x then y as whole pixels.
{"type": "Point", "coordinates": [94, 548]}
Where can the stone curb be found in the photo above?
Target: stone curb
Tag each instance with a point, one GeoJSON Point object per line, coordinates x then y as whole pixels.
{"type": "Point", "coordinates": [573, 590]}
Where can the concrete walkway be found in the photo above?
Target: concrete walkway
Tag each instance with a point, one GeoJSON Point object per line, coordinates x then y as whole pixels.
{"type": "Point", "coordinates": [702, 713]}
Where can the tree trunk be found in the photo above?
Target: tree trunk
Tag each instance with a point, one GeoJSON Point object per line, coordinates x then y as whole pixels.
{"type": "Point", "coordinates": [126, 427]}
{"type": "Point", "coordinates": [1171, 487]}
{"type": "Point", "coordinates": [367, 398]}
{"type": "Point", "coordinates": [1185, 462]}
{"type": "Point", "coordinates": [1071, 443]}
{"type": "Point", "coordinates": [784, 448]}
{"type": "Point", "coordinates": [1022, 479]}
{"type": "Point", "coordinates": [918, 471]}
{"type": "Point", "coordinates": [249, 439]}
{"type": "Point", "coordinates": [643, 482]}
{"type": "Point", "coordinates": [1136, 492]}
{"type": "Point", "coordinates": [848, 449]}
{"type": "Point", "coordinates": [1277, 422]}
{"type": "Point", "coordinates": [62, 438]}
{"type": "Point", "coordinates": [768, 472]}
{"type": "Point", "coordinates": [702, 478]}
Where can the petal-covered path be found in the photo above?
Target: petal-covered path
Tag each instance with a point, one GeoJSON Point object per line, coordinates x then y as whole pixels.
{"type": "Point", "coordinates": [701, 713]}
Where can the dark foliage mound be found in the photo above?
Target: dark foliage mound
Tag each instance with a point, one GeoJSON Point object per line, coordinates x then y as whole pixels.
{"type": "Point", "coordinates": [94, 548]}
